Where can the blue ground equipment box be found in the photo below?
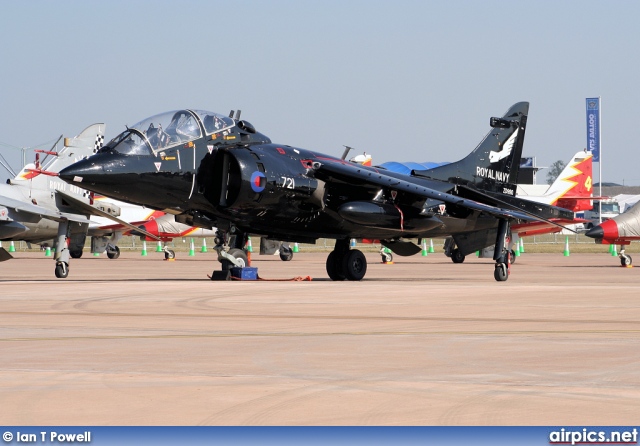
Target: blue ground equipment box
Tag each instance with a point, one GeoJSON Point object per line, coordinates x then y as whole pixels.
{"type": "Point", "coordinates": [247, 273]}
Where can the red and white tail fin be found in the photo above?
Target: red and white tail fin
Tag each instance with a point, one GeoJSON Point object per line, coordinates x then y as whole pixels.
{"type": "Point", "coordinates": [573, 189]}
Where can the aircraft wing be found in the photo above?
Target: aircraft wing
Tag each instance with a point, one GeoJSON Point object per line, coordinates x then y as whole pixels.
{"type": "Point", "coordinates": [353, 174]}
{"type": "Point", "coordinates": [86, 207]}
{"type": "Point", "coordinates": [542, 227]}
{"type": "Point", "coordinates": [28, 212]}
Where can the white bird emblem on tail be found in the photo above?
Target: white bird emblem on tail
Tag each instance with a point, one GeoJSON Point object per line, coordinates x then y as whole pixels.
{"type": "Point", "coordinates": [494, 157]}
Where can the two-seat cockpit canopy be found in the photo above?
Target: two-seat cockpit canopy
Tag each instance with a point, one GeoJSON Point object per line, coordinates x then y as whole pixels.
{"type": "Point", "coordinates": [167, 130]}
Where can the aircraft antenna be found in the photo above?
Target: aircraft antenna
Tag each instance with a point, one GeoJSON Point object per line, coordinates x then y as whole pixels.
{"type": "Point", "coordinates": [231, 114]}
{"type": "Point", "coordinates": [238, 115]}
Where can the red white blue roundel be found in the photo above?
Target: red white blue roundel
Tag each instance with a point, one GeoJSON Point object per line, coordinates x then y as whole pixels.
{"type": "Point", "coordinates": [258, 180]}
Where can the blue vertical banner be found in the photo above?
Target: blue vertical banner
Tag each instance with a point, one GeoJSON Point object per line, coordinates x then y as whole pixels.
{"type": "Point", "coordinates": [593, 127]}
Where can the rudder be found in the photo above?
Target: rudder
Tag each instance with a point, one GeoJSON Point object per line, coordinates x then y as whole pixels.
{"type": "Point", "coordinates": [494, 164]}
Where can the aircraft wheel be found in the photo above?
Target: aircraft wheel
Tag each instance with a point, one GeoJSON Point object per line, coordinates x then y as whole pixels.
{"type": "Point", "coordinates": [386, 257]}
{"type": "Point", "coordinates": [286, 254]}
{"type": "Point", "coordinates": [626, 260]}
{"type": "Point", "coordinates": [354, 265]}
{"type": "Point", "coordinates": [457, 256]}
{"type": "Point", "coordinates": [334, 266]}
{"type": "Point", "coordinates": [114, 254]}
{"type": "Point", "coordinates": [169, 254]}
{"type": "Point", "coordinates": [512, 257]}
{"type": "Point", "coordinates": [501, 273]}
{"type": "Point", "coordinates": [237, 254]}
{"type": "Point", "coordinates": [76, 254]}
{"type": "Point", "coordinates": [62, 270]}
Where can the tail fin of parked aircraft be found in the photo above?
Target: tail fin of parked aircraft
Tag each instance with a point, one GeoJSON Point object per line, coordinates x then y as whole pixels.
{"type": "Point", "coordinates": [494, 164]}
{"type": "Point", "coordinates": [49, 163]}
{"type": "Point", "coordinates": [573, 189]}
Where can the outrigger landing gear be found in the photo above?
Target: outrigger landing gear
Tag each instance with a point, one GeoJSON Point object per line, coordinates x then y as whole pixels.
{"type": "Point", "coordinates": [387, 257]}
{"type": "Point", "coordinates": [344, 263]}
{"type": "Point", "coordinates": [502, 253]}
{"type": "Point", "coordinates": [234, 257]}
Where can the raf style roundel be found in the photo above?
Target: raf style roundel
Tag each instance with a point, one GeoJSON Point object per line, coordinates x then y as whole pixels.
{"type": "Point", "coordinates": [258, 181]}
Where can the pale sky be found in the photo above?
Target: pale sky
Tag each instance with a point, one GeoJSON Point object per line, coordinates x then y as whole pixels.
{"type": "Point", "coordinates": [402, 80]}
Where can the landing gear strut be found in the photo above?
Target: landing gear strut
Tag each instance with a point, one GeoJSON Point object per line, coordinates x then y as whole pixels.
{"type": "Point", "coordinates": [234, 257]}
{"type": "Point", "coordinates": [343, 263]}
{"type": "Point", "coordinates": [502, 253]}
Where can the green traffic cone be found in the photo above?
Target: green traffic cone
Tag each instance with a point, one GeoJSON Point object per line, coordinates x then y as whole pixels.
{"type": "Point", "coordinates": [192, 250]}
{"type": "Point", "coordinates": [425, 251]}
{"type": "Point", "coordinates": [12, 247]}
{"type": "Point", "coordinates": [204, 245]}
{"type": "Point", "coordinates": [144, 248]}
{"type": "Point", "coordinates": [566, 247]}
{"type": "Point", "coordinates": [521, 245]}
{"type": "Point", "coordinates": [249, 246]}
{"type": "Point", "coordinates": [47, 252]}
{"type": "Point", "coordinates": [614, 251]}
{"type": "Point", "coordinates": [295, 247]}
{"type": "Point", "coordinates": [431, 246]}
{"type": "Point", "coordinates": [159, 247]}
{"type": "Point", "coordinates": [610, 248]}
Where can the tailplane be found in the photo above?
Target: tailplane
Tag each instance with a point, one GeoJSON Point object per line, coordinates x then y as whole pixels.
{"type": "Point", "coordinates": [494, 164]}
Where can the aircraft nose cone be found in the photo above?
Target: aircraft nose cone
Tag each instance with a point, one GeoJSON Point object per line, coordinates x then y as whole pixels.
{"type": "Point", "coordinates": [595, 232]}
{"type": "Point", "coordinates": [80, 171]}
{"type": "Point", "coordinates": [607, 230]}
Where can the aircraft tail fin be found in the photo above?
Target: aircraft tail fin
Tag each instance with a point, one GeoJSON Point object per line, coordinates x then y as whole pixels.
{"type": "Point", "coordinates": [85, 144]}
{"type": "Point", "coordinates": [573, 189]}
{"type": "Point", "coordinates": [494, 164]}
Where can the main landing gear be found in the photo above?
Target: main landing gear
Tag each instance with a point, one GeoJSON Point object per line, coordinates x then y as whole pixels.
{"type": "Point", "coordinates": [343, 263]}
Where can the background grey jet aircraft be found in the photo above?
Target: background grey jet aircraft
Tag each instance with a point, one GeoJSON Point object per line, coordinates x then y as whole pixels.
{"type": "Point", "coordinates": [37, 206]}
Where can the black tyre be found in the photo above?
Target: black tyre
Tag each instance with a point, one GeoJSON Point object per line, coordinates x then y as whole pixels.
{"type": "Point", "coordinates": [169, 254]}
{"type": "Point", "coordinates": [334, 266]}
{"type": "Point", "coordinates": [626, 260]}
{"type": "Point", "coordinates": [501, 273]}
{"type": "Point", "coordinates": [512, 257]}
{"type": "Point", "coordinates": [387, 257]}
{"type": "Point", "coordinates": [457, 256]}
{"type": "Point", "coordinates": [286, 254]}
{"type": "Point", "coordinates": [354, 265]}
{"type": "Point", "coordinates": [62, 270]}
{"type": "Point", "coordinates": [76, 253]}
{"type": "Point", "coordinates": [237, 254]}
{"type": "Point", "coordinates": [113, 254]}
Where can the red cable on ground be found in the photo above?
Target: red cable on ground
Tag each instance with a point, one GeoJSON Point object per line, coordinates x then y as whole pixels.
{"type": "Point", "coordinates": [294, 279]}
